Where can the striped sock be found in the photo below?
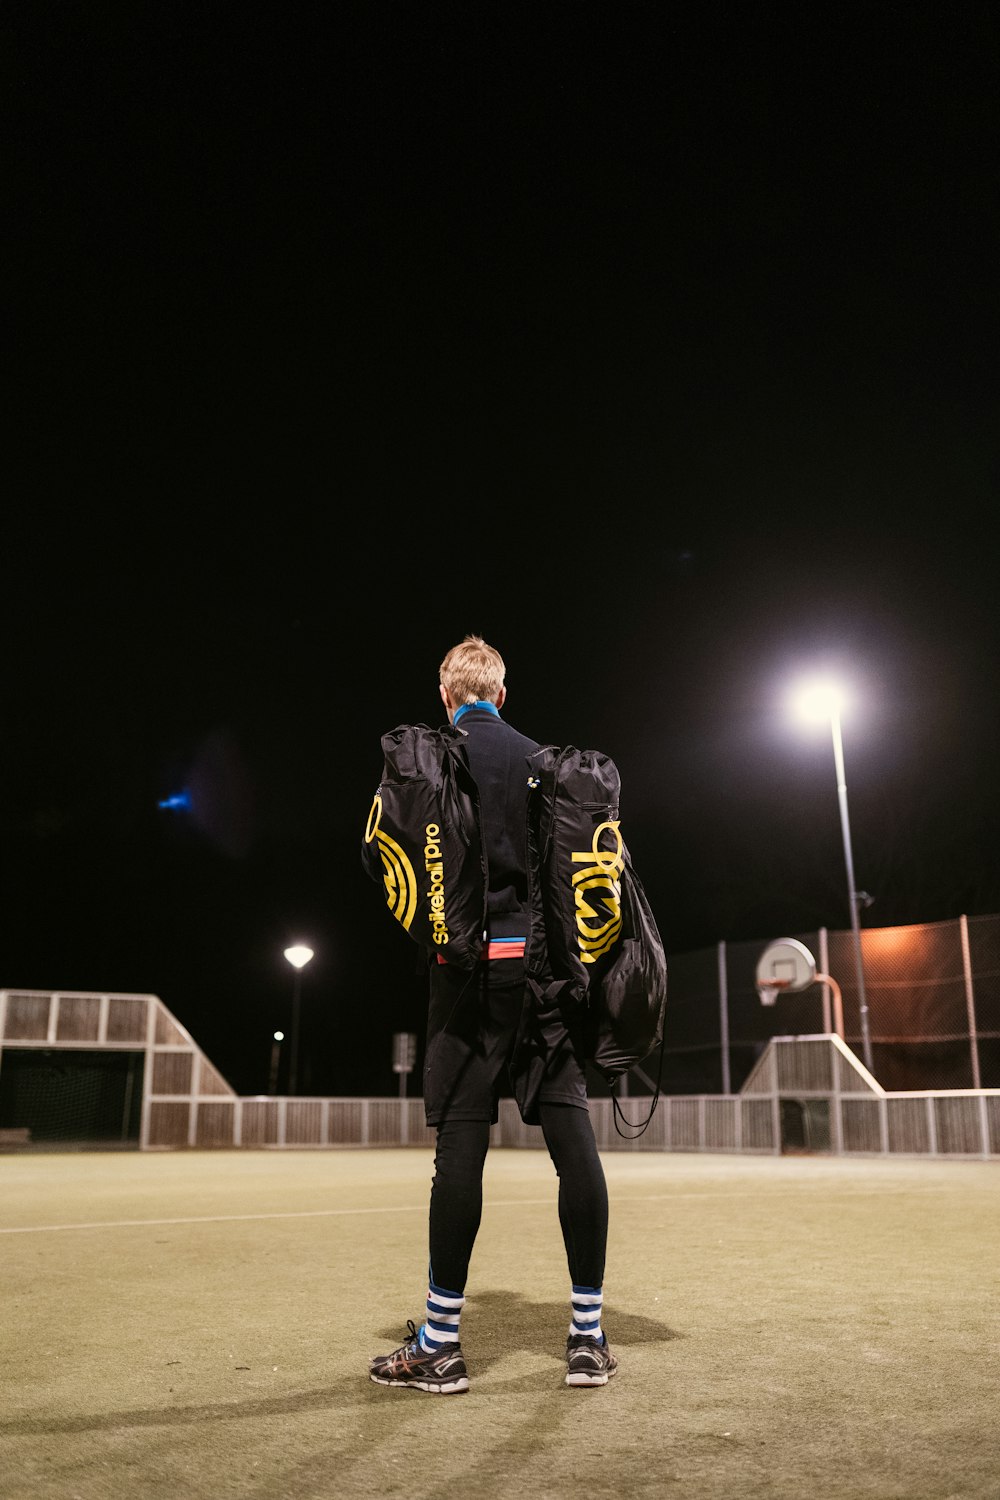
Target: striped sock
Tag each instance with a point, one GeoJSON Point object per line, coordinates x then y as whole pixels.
{"type": "Point", "coordinates": [586, 1303]}
{"type": "Point", "coordinates": [444, 1309]}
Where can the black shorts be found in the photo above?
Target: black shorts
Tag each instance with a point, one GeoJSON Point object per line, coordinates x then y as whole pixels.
{"type": "Point", "coordinates": [482, 1032]}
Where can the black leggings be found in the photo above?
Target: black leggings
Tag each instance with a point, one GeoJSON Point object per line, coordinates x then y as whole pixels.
{"type": "Point", "coordinates": [457, 1195]}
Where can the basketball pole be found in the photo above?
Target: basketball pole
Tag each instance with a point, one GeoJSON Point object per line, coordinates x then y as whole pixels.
{"type": "Point", "coordinates": [838, 755]}
{"type": "Point", "coordinates": [828, 981]}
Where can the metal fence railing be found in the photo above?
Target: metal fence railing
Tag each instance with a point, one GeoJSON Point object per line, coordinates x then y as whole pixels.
{"type": "Point", "coordinates": [77, 1065]}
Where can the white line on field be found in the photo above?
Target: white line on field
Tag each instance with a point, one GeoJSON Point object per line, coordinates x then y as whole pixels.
{"type": "Point", "coordinates": [396, 1208]}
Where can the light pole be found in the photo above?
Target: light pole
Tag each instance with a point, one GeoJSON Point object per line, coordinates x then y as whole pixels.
{"type": "Point", "coordinates": [298, 956]}
{"type": "Point", "coordinates": [823, 701]}
{"type": "Point", "coordinates": [278, 1038]}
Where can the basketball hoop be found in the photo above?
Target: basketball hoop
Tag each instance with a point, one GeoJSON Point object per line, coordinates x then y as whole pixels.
{"type": "Point", "coordinates": [785, 965]}
{"type": "Point", "coordinates": [788, 965]}
{"type": "Point", "coordinates": [770, 991]}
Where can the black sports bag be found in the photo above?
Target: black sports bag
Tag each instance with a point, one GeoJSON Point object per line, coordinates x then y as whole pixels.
{"type": "Point", "coordinates": [422, 842]}
{"type": "Point", "coordinates": [601, 938]}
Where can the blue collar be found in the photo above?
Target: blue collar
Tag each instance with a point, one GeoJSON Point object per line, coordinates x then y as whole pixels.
{"type": "Point", "coordinates": [479, 703]}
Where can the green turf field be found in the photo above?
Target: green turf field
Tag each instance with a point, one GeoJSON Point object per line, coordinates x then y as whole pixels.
{"type": "Point", "coordinates": [198, 1325]}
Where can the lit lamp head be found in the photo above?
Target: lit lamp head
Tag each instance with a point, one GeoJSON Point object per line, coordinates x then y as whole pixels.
{"type": "Point", "coordinates": [819, 701]}
{"type": "Point", "coordinates": [298, 955]}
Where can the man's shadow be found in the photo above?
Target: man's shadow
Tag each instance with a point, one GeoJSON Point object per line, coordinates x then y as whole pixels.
{"type": "Point", "coordinates": [495, 1326]}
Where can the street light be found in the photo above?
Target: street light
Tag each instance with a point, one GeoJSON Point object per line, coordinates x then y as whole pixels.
{"type": "Point", "coordinates": [298, 956]}
{"type": "Point", "coordinates": [279, 1037]}
{"type": "Point", "coordinates": [819, 701]}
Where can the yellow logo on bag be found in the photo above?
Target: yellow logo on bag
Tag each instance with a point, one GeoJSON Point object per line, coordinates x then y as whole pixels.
{"type": "Point", "coordinates": [434, 865]}
{"type": "Point", "coordinates": [397, 872]}
{"type": "Point", "coordinates": [599, 927]}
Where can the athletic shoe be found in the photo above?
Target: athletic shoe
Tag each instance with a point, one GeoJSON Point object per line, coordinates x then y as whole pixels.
{"type": "Point", "coordinates": [587, 1361]}
{"type": "Point", "coordinates": [443, 1373]}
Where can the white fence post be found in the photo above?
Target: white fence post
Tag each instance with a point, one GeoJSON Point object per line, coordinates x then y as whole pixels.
{"type": "Point", "coordinates": [824, 968]}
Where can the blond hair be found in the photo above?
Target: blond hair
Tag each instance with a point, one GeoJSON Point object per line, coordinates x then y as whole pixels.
{"type": "Point", "coordinates": [472, 670]}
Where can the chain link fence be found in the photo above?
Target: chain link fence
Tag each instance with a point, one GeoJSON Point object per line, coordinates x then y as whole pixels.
{"type": "Point", "coordinates": [933, 995]}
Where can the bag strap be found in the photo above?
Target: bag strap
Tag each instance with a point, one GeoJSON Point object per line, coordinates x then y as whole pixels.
{"type": "Point", "coordinates": [639, 1126]}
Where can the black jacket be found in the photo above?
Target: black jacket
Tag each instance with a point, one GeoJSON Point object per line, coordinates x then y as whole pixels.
{"type": "Point", "coordinates": [497, 759]}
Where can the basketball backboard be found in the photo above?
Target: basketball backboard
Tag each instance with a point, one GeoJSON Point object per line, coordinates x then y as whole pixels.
{"type": "Point", "coordinates": [785, 965]}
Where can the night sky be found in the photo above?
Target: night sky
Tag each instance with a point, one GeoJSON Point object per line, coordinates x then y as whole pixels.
{"type": "Point", "coordinates": [656, 343]}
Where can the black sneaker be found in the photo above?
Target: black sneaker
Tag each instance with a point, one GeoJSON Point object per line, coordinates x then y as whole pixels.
{"type": "Point", "coordinates": [443, 1373]}
{"type": "Point", "coordinates": [587, 1361]}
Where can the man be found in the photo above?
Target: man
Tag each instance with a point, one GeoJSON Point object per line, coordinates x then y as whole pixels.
{"type": "Point", "coordinates": [475, 1037]}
